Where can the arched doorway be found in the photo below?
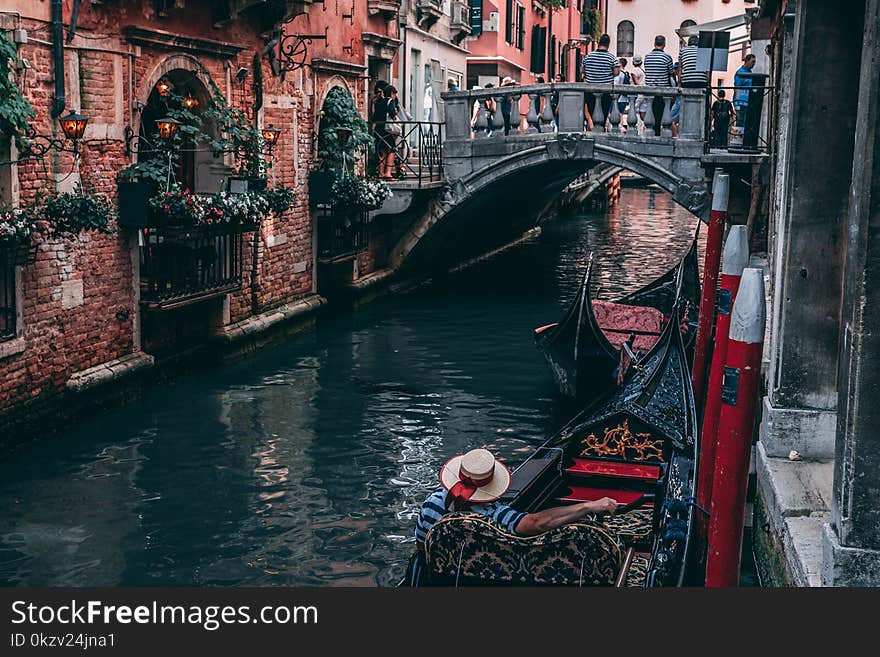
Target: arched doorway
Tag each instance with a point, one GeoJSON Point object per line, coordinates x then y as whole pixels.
{"type": "Point", "coordinates": [196, 166]}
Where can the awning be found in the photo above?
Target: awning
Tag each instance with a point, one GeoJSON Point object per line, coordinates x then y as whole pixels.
{"type": "Point", "coordinates": [736, 25]}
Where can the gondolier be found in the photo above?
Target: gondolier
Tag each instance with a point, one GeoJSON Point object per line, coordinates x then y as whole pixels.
{"type": "Point", "coordinates": [474, 482]}
{"type": "Point", "coordinates": [638, 445]}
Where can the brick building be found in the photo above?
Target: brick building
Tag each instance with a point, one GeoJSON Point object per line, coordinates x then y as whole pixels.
{"type": "Point", "coordinates": [90, 310]}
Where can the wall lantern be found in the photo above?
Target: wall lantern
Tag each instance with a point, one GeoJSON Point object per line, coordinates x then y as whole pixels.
{"type": "Point", "coordinates": [167, 127]}
{"type": "Point", "coordinates": [189, 102]}
{"type": "Point", "coordinates": [73, 125]}
{"type": "Point", "coordinates": [163, 86]}
{"type": "Point", "coordinates": [270, 135]}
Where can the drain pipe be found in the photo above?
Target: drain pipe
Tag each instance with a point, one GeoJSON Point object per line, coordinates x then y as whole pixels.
{"type": "Point", "coordinates": [59, 100]}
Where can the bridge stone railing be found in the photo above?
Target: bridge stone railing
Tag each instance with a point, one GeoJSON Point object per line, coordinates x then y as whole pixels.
{"type": "Point", "coordinates": [571, 108]}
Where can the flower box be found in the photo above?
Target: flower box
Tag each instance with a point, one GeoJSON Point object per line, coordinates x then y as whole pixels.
{"type": "Point", "coordinates": [320, 186]}
{"type": "Point", "coordinates": [134, 208]}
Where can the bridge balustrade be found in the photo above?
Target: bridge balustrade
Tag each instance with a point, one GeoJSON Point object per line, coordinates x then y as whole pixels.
{"type": "Point", "coordinates": [571, 102]}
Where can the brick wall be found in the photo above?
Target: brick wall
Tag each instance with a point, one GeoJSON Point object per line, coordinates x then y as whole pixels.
{"type": "Point", "coordinates": [79, 299]}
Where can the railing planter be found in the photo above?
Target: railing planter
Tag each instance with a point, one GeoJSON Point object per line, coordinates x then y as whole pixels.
{"type": "Point", "coordinates": [133, 198]}
{"type": "Point", "coordinates": [320, 186]}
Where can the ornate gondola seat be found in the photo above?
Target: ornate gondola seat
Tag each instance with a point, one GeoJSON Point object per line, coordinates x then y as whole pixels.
{"type": "Point", "coordinates": [468, 548]}
{"type": "Point", "coordinates": [618, 320]}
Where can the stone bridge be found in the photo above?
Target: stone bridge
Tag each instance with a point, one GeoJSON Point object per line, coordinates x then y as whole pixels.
{"type": "Point", "coordinates": [499, 186]}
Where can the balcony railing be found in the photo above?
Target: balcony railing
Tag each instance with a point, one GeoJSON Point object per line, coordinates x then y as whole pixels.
{"type": "Point", "coordinates": [429, 12]}
{"type": "Point", "coordinates": [746, 131]}
{"type": "Point", "coordinates": [341, 235]}
{"type": "Point", "coordinates": [461, 19]}
{"type": "Point", "coordinates": [183, 265]}
{"type": "Point", "coordinates": [389, 8]}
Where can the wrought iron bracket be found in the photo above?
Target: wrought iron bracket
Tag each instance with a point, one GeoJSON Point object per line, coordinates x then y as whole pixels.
{"type": "Point", "coordinates": [38, 145]}
{"type": "Point", "coordinates": [136, 143]}
{"type": "Point", "coordinates": [292, 49]}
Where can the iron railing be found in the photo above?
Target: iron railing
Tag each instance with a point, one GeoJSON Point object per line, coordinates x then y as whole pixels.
{"type": "Point", "coordinates": [754, 138]}
{"type": "Point", "coordinates": [182, 265]}
{"type": "Point", "coordinates": [8, 301]}
{"type": "Point", "coordinates": [418, 151]}
{"type": "Point", "coordinates": [341, 234]}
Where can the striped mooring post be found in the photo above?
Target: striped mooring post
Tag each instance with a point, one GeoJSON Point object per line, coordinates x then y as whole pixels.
{"type": "Point", "coordinates": [733, 261]}
{"type": "Point", "coordinates": [739, 393]}
{"type": "Point", "coordinates": [714, 238]}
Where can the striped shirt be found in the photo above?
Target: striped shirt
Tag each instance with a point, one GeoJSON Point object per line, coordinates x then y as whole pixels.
{"type": "Point", "coordinates": [658, 69]}
{"type": "Point", "coordinates": [687, 59]}
{"type": "Point", "coordinates": [434, 508]}
{"type": "Point", "coordinates": [599, 67]}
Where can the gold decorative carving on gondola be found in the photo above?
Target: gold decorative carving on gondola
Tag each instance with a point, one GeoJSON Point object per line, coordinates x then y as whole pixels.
{"type": "Point", "coordinates": [623, 443]}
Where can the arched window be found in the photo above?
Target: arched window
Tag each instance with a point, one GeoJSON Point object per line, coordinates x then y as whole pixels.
{"type": "Point", "coordinates": [626, 37]}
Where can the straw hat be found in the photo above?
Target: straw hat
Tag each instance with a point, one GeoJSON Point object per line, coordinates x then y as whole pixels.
{"type": "Point", "coordinates": [475, 476]}
{"type": "Point", "coordinates": [637, 60]}
{"type": "Point", "coordinates": [507, 81]}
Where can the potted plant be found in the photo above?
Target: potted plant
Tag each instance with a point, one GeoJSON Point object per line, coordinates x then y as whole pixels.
{"type": "Point", "coordinates": [359, 194]}
{"type": "Point", "coordinates": [17, 229]}
{"type": "Point", "coordinates": [132, 198]}
{"type": "Point", "coordinates": [342, 134]}
{"type": "Point", "coordinates": [320, 185]}
{"type": "Point", "coordinates": [177, 208]}
{"type": "Point", "coordinates": [279, 199]}
{"type": "Point", "coordinates": [71, 213]}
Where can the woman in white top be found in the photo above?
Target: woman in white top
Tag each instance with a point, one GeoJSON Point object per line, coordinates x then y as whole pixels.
{"type": "Point", "coordinates": [637, 77]}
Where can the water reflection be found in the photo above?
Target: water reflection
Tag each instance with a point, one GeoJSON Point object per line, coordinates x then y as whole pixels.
{"type": "Point", "coordinates": [305, 465]}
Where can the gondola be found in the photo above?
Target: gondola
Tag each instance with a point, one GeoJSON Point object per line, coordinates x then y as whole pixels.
{"type": "Point", "coordinates": [637, 445]}
{"type": "Point", "coordinates": [584, 350]}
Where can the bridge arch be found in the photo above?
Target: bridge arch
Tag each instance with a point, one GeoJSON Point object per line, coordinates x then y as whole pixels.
{"type": "Point", "coordinates": [529, 174]}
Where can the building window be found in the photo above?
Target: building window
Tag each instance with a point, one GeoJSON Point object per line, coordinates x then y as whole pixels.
{"type": "Point", "coordinates": [520, 27]}
{"type": "Point", "coordinates": [539, 49]}
{"type": "Point", "coordinates": [508, 22]}
{"type": "Point", "coordinates": [8, 301]}
{"type": "Point", "coordinates": [626, 38]}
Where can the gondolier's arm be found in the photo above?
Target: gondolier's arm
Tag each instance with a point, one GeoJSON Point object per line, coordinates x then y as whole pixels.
{"type": "Point", "coordinates": [543, 521]}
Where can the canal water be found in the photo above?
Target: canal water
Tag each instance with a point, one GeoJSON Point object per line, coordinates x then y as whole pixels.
{"type": "Point", "coordinates": [306, 464]}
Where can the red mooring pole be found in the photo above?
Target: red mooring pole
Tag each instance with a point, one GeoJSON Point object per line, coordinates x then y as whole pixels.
{"type": "Point", "coordinates": [739, 393]}
{"type": "Point", "coordinates": [733, 261]}
{"type": "Point", "coordinates": [714, 237]}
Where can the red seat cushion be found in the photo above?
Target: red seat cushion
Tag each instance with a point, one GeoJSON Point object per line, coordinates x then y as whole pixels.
{"type": "Point", "coordinates": [616, 321]}
{"type": "Point", "coordinates": [591, 467]}
{"type": "Point", "coordinates": [587, 494]}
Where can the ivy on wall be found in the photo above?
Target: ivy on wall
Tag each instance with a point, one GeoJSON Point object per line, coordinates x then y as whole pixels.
{"type": "Point", "coordinates": [339, 111]}
{"type": "Point", "coordinates": [15, 110]}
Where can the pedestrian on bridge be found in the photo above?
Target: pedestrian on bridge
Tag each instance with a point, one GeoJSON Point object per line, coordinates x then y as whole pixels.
{"type": "Point", "coordinates": [600, 67]}
{"type": "Point", "coordinates": [659, 72]}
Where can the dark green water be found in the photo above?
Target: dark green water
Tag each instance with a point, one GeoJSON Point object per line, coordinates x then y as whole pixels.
{"type": "Point", "coordinates": [306, 464]}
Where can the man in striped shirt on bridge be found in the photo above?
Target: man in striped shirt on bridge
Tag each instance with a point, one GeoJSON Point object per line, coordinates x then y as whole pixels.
{"type": "Point", "coordinates": [687, 59]}
{"type": "Point", "coordinates": [659, 72]}
{"type": "Point", "coordinates": [600, 67]}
